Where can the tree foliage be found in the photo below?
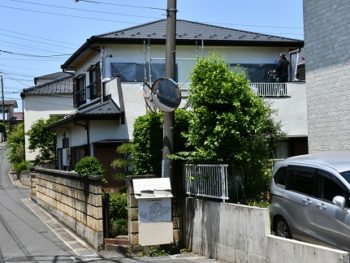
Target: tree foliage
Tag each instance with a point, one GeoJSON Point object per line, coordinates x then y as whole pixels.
{"type": "Point", "coordinates": [15, 144]}
{"type": "Point", "coordinates": [16, 152]}
{"type": "Point", "coordinates": [89, 166]}
{"type": "Point", "coordinates": [124, 163]}
{"type": "Point", "coordinates": [229, 123]}
{"type": "Point", "coordinates": [42, 139]}
{"type": "Point", "coordinates": [148, 140]}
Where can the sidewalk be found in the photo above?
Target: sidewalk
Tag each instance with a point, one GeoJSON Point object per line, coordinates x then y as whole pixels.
{"type": "Point", "coordinates": [83, 252]}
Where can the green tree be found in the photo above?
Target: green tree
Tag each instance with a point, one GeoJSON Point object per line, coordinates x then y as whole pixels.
{"type": "Point", "coordinates": [148, 140]}
{"type": "Point", "coordinates": [42, 139]}
{"type": "Point", "coordinates": [15, 145]}
{"type": "Point", "coordinates": [123, 164]}
{"type": "Point", "coordinates": [229, 123]}
{"type": "Point", "coordinates": [148, 144]}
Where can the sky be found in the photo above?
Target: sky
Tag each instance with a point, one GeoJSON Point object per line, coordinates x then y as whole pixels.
{"type": "Point", "coordinates": [38, 36]}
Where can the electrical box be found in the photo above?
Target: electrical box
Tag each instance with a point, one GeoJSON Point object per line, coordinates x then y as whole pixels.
{"type": "Point", "coordinates": [155, 218]}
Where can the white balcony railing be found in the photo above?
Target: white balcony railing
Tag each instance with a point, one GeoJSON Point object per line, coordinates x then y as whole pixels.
{"type": "Point", "coordinates": [274, 89]}
{"type": "Point", "coordinates": [262, 89]}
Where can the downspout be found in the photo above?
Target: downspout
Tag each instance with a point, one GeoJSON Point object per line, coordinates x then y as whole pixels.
{"type": "Point", "coordinates": [86, 126]}
{"type": "Point", "coordinates": [102, 70]}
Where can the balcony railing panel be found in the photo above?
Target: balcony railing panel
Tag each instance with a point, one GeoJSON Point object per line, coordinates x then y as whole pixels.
{"type": "Point", "coordinates": [274, 89]}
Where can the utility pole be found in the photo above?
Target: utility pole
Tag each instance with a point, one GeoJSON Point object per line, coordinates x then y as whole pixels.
{"type": "Point", "coordinates": [170, 57]}
{"type": "Point", "coordinates": [3, 102]}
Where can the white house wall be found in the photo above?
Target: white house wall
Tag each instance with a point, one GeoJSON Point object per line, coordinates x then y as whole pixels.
{"type": "Point", "coordinates": [291, 111]}
{"type": "Point", "coordinates": [41, 107]}
{"type": "Point", "coordinates": [134, 105]}
{"type": "Point", "coordinates": [78, 136]}
{"type": "Point", "coordinates": [106, 130]}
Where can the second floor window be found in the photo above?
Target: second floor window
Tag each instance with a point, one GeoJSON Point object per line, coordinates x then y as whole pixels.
{"type": "Point", "coordinates": [79, 97]}
{"type": "Point", "coordinates": [95, 81]}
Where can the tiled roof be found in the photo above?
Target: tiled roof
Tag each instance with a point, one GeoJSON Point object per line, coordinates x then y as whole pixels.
{"type": "Point", "coordinates": [106, 110]}
{"type": "Point", "coordinates": [49, 77]}
{"type": "Point", "coordinates": [188, 30]}
{"type": "Point", "coordinates": [61, 85]}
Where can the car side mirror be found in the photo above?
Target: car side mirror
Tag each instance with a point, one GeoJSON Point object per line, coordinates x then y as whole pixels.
{"type": "Point", "coordinates": [339, 201]}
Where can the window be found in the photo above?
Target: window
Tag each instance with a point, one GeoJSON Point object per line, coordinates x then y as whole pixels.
{"type": "Point", "coordinates": [257, 72]}
{"type": "Point", "coordinates": [139, 72]}
{"type": "Point", "coordinates": [95, 81]}
{"type": "Point", "coordinates": [329, 187]}
{"type": "Point", "coordinates": [301, 180]}
{"type": "Point", "coordinates": [280, 177]}
{"type": "Point", "coordinates": [79, 91]}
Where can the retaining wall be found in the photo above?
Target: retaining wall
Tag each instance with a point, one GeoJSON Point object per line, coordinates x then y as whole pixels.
{"type": "Point", "coordinates": [73, 201]}
{"type": "Point", "coordinates": [236, 233]}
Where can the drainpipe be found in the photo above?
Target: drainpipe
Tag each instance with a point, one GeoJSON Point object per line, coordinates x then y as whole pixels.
{"type": "Point", "coordinates": [86, 126]}
{"type": "Point", "coordinates": [102, 70]}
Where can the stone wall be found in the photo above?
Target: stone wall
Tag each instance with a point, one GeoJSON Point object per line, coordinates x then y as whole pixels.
{"type": "Point", "coordinates": [75, 202]}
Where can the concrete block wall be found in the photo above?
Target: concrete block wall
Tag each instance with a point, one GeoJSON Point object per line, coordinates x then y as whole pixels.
{"type": "Point", "coordinates": [236, 233]}
{"type": "Point", "coordinates": [75, 203]}
{"type": "Point", "coordinates": [327, 50]}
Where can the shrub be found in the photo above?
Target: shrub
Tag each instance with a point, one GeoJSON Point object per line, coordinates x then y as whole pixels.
{"type": "Point", "coordinates": [119, 227]}
{"type": "Point", "coordinates": [21, 166]}
{"type": "Point", "coordinates": [89, 166]}
{"type": "Point", "coordinates": [118, 203]}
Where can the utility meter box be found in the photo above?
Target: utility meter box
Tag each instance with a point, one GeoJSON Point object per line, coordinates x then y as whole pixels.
{"type": "Point", "coordinates": [154, 202]}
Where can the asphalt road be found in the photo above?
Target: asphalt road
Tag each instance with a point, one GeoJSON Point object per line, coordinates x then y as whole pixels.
{"type": "Point", "coordinates": [29, 234]}
{"type": "Point", "coordinates": [23, 237]}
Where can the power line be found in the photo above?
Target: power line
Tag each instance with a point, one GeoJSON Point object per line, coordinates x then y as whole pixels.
{"type": "Point", "coordinates": [84, 10]}
{"type": "Point", "coordinates": [123, 5]}
{"type": "Point", "coordinates": [24, 47]}
{"type": "Point", "coordinates": [35, 36]}
{"type": "Point", "coordinates": [33, 55]}
{"type": "Point", "coordinates": [37, 41]}
{"type": "Point", "coordinates": [65, 15]}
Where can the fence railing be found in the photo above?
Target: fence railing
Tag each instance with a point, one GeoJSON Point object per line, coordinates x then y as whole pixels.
{"type": "Point", "coordinates": [207, 180]}
{"type": "Point", "coordinates": [274, 89]}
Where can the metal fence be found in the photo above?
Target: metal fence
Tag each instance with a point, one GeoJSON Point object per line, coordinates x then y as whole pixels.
{"type": "Point", "coordinates": [207, 180]}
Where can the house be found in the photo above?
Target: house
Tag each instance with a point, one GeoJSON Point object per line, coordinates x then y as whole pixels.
{"type": "Point", "coordinates": [51, 95]}
{"type": "Point", "coordinates": [110, 71]}
{"type": "Point", "coordinates": [327, 47]}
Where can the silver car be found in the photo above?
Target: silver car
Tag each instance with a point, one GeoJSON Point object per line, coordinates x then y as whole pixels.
{"type": "Point", "coordinates": [310, 198]}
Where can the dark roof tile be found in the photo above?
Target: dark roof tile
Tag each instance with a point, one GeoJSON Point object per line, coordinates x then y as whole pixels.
{"type": "Point", "coordinates": [62, 85]}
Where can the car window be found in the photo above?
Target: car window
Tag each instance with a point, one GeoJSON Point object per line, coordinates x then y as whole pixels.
{"type": "Point", "coordinates": [301, 180]}
{"type": "Point", "coordinates": [329, 186]}
{"type": "Point", "coordinates": [346, 175]}
{"type": "Point", "coordinates": [280, 177]}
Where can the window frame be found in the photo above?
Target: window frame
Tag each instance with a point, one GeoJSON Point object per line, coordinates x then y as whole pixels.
{"type": "Point", "coordinates": [79, 90]}
{"type": "Point", "coordinates": [94, 81]}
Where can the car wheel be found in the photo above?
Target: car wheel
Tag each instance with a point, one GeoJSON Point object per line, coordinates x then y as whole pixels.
{"type": "Point", "coordinates": [281, 228]}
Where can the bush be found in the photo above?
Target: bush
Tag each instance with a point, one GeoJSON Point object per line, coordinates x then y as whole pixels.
{"type": "Point", "coordinates": [119, 227]}
{"type": "Point", "coordinates": [89, 166]}
{"type": "Point", "coordinates": [118, 206]}
{"type": "Point", "coordinates": [21, 166]}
